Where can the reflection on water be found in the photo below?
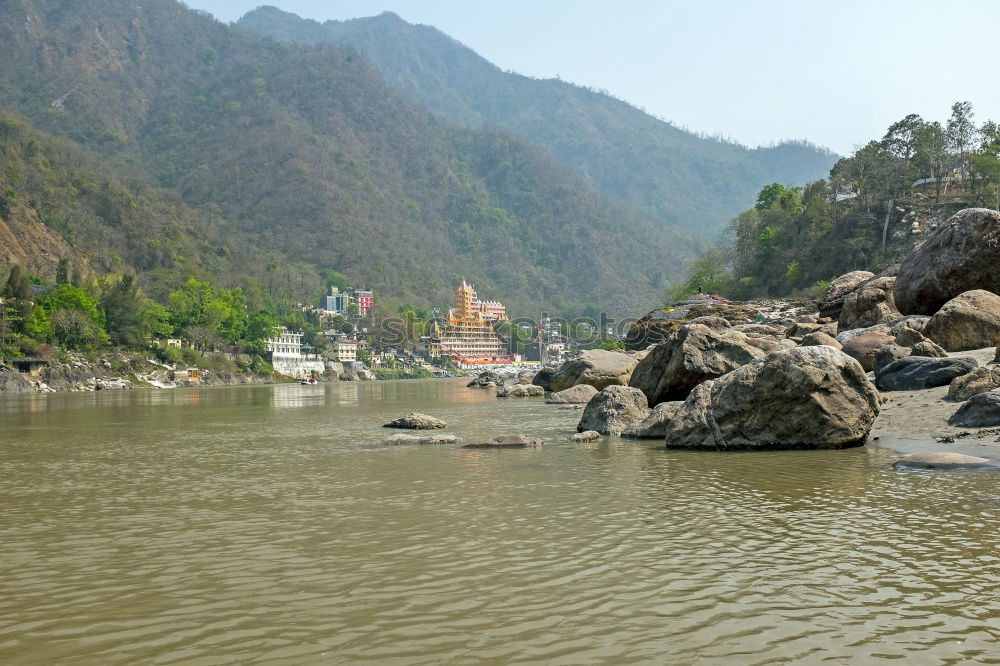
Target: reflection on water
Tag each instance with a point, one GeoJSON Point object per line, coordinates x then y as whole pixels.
{"type": "Point", "coordinates": [241, 524]}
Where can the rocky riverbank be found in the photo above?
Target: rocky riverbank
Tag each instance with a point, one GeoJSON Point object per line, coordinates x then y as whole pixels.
{"type": "Point", "coordinates": [777, 374]}
{"type": "Point", "coordinates": [118, 372]}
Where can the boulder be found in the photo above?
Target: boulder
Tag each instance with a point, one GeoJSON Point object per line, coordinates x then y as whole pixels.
{"type": "Point", "coordinates": [614, 410]}
{"type": "Point", "coordinates": [654, 426]}
{"type": "Point", "coordinates": [832, 300]}
{"type": "Point", "coordinates": [908, 337]}
{"type": "Point", "coordinates": [914, 322]}
{"type": "Point", "coordinates": [914, 373]}
{"type": "Point", "coordinates": [12, 382]}
{"type": "Point", "coordinates": [843, 337]}
{"type": "Point", "coordinates": [714, 323]}
{"type": "Point", "coordinates": [886, 355]}
{"type": "Point", "coordinates": [401, 439]}
{"type": "Point", "coordinates": [588, 436]}
{"type": "Point", "coordinates": [514, 441]}
{"type": "Point", "coordinates": [768, 345]}
{"type": "Point", "coordinates": [596, 367]}
{"type": "Point", "coordinates": [979, 411]}
{"type": "Point", "coordinates": [864, 347]}
{"type": "Point", "coordinates": [519, 391]}
{"type": "Point", "coordinates": [820, 338]}
{"type": "Point", "coordinates": [112, 385]}
{"type": "Point", "coordinates": [579, 394]}
{"type": "Point", "coordinates": [544, 378]}
{"type": "Point", "coordinates": [980, 380]}
{"type": "Point", "coordinates": [960, 255]}
{"type": "Point", "coordinates": [695, 354]}
{"type": "Point", "coordinates": [760, 329]}
{"type": "Point", "coordinates": [800, 329]}
{"type": "Point", "coordinates": [971, 320]}
{"type": "Point", "coordinates": [928, 348]}
{"type": "Point", "coordinates": [416, 421]}
{"type": "Point", "coordinates": [944, 460]}
{"type": "Point", "coordinates": [802, 398]}
{"type": "Point", "coordinates": [870, 303]}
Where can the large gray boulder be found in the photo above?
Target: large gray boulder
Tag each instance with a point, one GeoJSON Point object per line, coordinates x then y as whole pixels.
{"type": "Point", "coordinates": [574, 395]}
{"type": "Point", "coordinates": [864, 347]}
{"type": "Point", "coordinates": [416, 421]}
{"type": "Point", "coordinates": [944, 460]}
{"type": "Point", "coordinates": [614, 410]}
{"type": "Point", "coordinates": [803, 398]}
{"type": "Point", "coordinates": [13, 382]}
{"type": "Point", "coordinates": [400, 439]}
{"type": "Point", "coordinates": [928, 348]}
{"type": "Point", "coordinates": [519, 391]}
{"type": "Point", "coordinates": [914, 373]}
{"type": "Point", "coordinates": [961, 255]}
{"type": "Point", "coordinates": [980, 380]}
{"type": "Point", "coordinates": [544, 378]}
{"type": "Point", "coordinates": [596, 367]}
{"type": "Point", "coordinates": [979, 411]}
{"type": "Point", "coordinates": [691, 356]}
{"type": "Point", "coordinates": [869, 304]}
{"type": "Point", "coordinates": [654, 426]}
{"type": "Point", "coordinates": [832, 300]}
{"type": "Point", "coordinates": [887, 355]}
{"type": "Point", "coordinates": [971, 320]}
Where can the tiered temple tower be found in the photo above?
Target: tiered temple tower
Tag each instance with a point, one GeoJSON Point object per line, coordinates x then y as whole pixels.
{"type": "Point", "coordinates": [468, 337]}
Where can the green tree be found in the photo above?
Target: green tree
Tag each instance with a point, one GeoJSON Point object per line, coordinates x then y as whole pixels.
{"type": "Point", "coordinates": [122, 308]}
{"type": "Point", "coordinates": [19, 292]}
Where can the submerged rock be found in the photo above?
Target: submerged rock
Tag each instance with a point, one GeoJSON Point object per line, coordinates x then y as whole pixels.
{"type": "Point", "coordinates": [416, 421]}
{"type": "Point", "coordinates": [514, 441]}
{"type": "Point", "coordinates": [961, 255]}
{"type": "Point", "coordinates": [979, 411]}
{"type": "Point", "coordinates": [944, 460]}
{"type": "Point", "coordinates": [586, 436]}
{"type": "Point", "coordinates": [802, 398]}
{"type": "Point", "coordinates": [579, 394]}
{"type": "Point", "coordinates": [400, 439]}
{"type": "Point", "coordinates": [914, 373]}
{"type": "Point", "coordinates": [613, 410]}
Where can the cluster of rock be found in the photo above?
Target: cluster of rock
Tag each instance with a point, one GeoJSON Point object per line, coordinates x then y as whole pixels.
{"type": "Point", "coordinates": [722, 375]}
{"type": "Point", "coordinates": [502, 376]}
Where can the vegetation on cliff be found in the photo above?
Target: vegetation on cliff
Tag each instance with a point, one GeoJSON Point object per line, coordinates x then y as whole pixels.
{"type": "Point", "coordinates": [866, 215]}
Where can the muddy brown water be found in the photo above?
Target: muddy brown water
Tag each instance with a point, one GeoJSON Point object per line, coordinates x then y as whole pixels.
{"type": "Point", "coordinates": [262, 525]}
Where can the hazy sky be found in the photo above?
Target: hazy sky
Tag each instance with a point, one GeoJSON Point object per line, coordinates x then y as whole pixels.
{"type": "Point", "coordinates": [757, 71]}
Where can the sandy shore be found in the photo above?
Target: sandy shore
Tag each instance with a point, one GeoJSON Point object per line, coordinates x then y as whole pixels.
{"type": "Point", "coordinates": [915, 421]}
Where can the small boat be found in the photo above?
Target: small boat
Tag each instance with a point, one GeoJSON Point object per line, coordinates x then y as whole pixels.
{"type": "Point", "coordinates": [309, 382]}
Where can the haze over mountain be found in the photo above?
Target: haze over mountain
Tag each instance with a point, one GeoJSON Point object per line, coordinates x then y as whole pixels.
{"type": "Point", "coordinates": [260, 164]}
{"type": "Point", "coordinates": [686, 181]}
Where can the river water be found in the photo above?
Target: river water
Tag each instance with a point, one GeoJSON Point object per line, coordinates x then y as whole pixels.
{"type": "Point", "coordinates": [263, 525]}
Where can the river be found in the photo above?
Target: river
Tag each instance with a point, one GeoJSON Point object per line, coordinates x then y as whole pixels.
{"type": "Point", "coordinates": [263, 525]}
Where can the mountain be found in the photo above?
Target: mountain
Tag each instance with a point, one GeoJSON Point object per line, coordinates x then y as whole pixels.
{"type": "Point", "coordinates": [264, 163]}
{"type": "Point", "coordinates": [686, 181]}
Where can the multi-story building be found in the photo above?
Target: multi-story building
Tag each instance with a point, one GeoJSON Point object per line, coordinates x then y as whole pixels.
{"type": "Point", "coordinates": [468, 338]}
{"type": "Point", "coordinates": [287, 357]}
{"type": "Point", "coordinates": [365, 300]}
{"type": "Point", "coordinates": [492, 311]}
{"type": "Point", "coordinates": [344, 350]}
{"type": "Point", "coordinates": [338, 302]}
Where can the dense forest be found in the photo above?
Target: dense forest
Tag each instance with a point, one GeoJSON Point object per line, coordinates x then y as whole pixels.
{"type": "Point", "coordinates": [691, 183]}
{"type": "Point", "coordinates": [180, 146]}
{"type": "Point", "coordinates": [867, 215]}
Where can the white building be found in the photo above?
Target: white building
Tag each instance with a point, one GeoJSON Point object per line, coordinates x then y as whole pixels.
{"type": "Point", "coordinates": [287, 357]}
{"type": "Point", "coordinates": [344, 350]}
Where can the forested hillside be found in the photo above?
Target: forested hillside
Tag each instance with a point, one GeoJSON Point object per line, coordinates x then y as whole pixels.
{"type": "Point", "coordinates": [680, 179]}
{"type": "Point", "coordinates": [867, 215]}
{"type": "Point", "coordinates": [211, 150]}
